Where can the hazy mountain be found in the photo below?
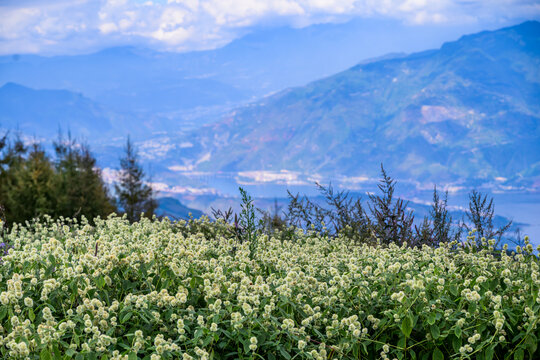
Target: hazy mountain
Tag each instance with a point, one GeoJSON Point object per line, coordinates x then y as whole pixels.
{"type": "Point", "coordinates": [467, 112]}
{"type": "Point", "coordinates": [44, 112]}
{"type": "Point", "coordinates": [124, 78]}
{"type": "Point", "coordinates": [171, 207]}
{"type": "Point", "coordinates": [266, 60]}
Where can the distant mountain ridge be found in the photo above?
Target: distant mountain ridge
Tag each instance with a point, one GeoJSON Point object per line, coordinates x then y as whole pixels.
{"type": "Point", "coordinates": [267, 60]}
{"type": "Point", "coordinates": [468, 112]}
{"type": "Point", "coordinates": [173, 208]}
{"type": "Point", "coordinates": [43, 113]}
{"type": "Point", "coordinates": [464, 115]}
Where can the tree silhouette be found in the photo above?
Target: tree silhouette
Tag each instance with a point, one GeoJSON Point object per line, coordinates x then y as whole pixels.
{"type": "Point", "coordinates": [134, 195]}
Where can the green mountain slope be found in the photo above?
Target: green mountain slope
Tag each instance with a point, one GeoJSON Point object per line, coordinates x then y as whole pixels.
{"type": "Point", "coordinates": [467, 112]}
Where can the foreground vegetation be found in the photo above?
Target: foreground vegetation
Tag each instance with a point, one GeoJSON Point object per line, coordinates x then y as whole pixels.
{"type": "Point", "coordinates": [343, 279]}
{"type": "Point", "coordinates": [69, 184]}
{"type": "Point", "coordinates": [156, 289]}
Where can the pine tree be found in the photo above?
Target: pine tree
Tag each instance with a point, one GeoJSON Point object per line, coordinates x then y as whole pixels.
{"type": "Point", "coordinates": [11, 160]}
{"type": "Point", "coordinates": [80, 187]}
{"type": "Point", "coordinates": [31, 188]}
{"type": "Point", "coordinates": [391, 222]}
{"type": "Point", "coordinates": [442, 220]}
{"type": "Point", "coordinates": [11, 156]}
{"type": "Point", "coordinates": [438, 226]}
{"type": "Point", "coordinates": [134, 195]}
{"type": "Point", "coordinates": [480, 217]}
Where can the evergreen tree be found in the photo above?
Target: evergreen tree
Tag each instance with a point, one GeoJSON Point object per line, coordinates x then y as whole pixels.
{"type": "Point", "coordinates": [442, 220]}
{"type": "Point", "coordinates": [438, 226]}
{"type": "Point", "coordinates": [80, 187]}
{"type": "Point", "coordinates": [134, 195]}
{"type": "Point", "coordinates": [11, 160]}
{"type": "Point", "coordinates": [391, 222]}
{"type": "Point", "coordinates": [30, 187]}
{"type": "Point", "coordinates": [11, 156]}
{"type": "Point", "coordinates": [480, 217]}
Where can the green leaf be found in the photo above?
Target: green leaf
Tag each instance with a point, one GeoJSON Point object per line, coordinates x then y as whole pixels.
{"type": "Point", "coordinates": [126, 317]}
{"type": "Point", "coordinates": [356, 351]}
{"type": "Point", "coordinates": [456, 343]}
{"type": "Point", "coordinates": [519, 354]}
{"type": "Point", "coordinates": [45, 354]}
{"type": "Point", "coordinates": [207, 341]}
{"type": "Point", "coordinates": [132, 356]}
{"type": "Point", "coordinates": [284, 353]}
{"type": "Point", "coordinates": [437, 354]}
{"type": "Point", "coordinates": [406, 326]}
{"type": "Point", "coordinates": [100, 282]}
{"type": "Point", "coordinates": [531, 343]}
{"type": "Point", "coordinates": [31, 315]}
{"type": "Point", "coordinates": [70, 352]}
{"type": "Point", "coordinates": [402, 342]}
{"type": "Point", "coordinates": [195, 282]}
{"type": "Point", "coordinates": [488, 354]}
{"type": "Point", "coordinates": [435, 331]}
{"type": "Point", "coordinates": [431, 319]}
{"type": "Point", "coordinates": [453, 290]}
{"type": "Point", "coordinates": [3, 312]}
{"type": "Point", "coordinates": [457, 331]}
{"type": "Point", "coordinates": [56, 352]}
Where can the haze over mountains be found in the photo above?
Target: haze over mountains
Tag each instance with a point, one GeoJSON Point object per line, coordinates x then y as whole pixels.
{"type": "Point", "coordinates": [463, 115]}
{"type": "Point", "coordinates": [43, 112]}
{"type": "Point", "coordinates": [164, 91]}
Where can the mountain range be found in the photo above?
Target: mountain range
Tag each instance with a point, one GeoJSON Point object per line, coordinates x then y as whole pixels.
{"type": "Point", "coordinates": [182, 90]}
{"type": "Point", "coordinates": [465, 114]}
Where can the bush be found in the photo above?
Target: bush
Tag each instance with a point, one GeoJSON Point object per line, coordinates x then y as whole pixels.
{"type": "Point", "coordinates": [386, 219]}
{"type": "Point", "coordinates": [480, 218]}
{"type": "Point", "coordinates": [156, 289]}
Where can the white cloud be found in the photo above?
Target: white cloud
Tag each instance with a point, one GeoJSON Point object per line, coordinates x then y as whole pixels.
{"type": "Point", "coordinates": [107, 28]}
{"type": "Point", "coordinates": [184, 190]}
{"type": "Point", "coordinates": [266, 176]}
{"type": "Point", "coordinates": [110, 175]}
{"type": "Point", "coordinates": [62, 26]}
{"type": "Point", "coordinates": [181, 168]}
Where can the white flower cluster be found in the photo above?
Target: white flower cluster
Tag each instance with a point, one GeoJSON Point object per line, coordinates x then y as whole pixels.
{"type": "Point", "coordinates": [182, 290]}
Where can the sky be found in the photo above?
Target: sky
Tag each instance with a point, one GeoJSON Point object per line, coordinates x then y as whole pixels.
{"type": "Point", "coordinates": [81, 26]}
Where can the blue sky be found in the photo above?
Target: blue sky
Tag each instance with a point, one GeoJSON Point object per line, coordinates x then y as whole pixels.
{"type": "Point", "coordinates": [79, 26]}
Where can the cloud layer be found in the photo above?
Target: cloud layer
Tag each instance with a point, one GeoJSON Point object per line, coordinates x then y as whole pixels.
{"type": "Point", "coordinates": [71, 26]}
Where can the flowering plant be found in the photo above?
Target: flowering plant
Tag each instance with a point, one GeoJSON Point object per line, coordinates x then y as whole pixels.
{"type": "Point", "coordinates": [156, 289]}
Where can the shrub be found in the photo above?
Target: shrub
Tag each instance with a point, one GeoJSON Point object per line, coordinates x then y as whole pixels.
{"type": "Point", "coordinates": [156, 289]}
{"type": "Point", "coordinates": [480, 218]}
{"type": "Point", "coordinates": [342, 214]}
{"type": "Point", "coordinates": [390, 220]}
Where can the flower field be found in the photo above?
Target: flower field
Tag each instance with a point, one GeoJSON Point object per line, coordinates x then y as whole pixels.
{"type": "Point", "coordinates": [187, 290]}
